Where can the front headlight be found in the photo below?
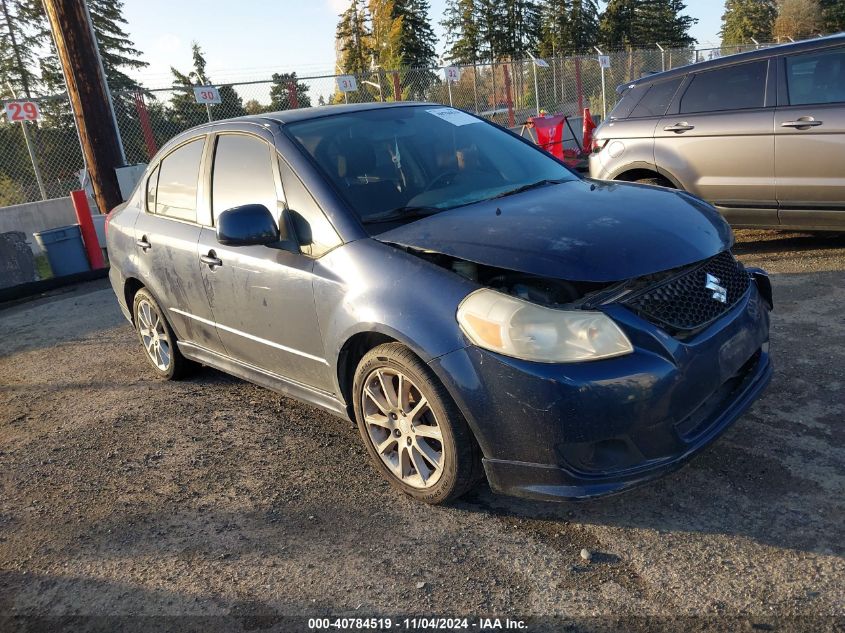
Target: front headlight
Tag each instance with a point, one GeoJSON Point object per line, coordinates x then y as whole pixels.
{"type": "Point", "coordinates": [511, 326]}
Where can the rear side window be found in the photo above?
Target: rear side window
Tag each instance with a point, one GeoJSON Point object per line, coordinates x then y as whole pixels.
{"type": "Point", "coordinates": [630, 98]}
{"type": "Point", "coordinates": [816, 78]}
{"type": "Point", "coordinates": [656, 100]}
{"type": "Point", "coordinates": [177, 182]}
{"type": "Point", "coordinates": [243, 174]}
{"type": "Point", "coordinates": [739, 87]}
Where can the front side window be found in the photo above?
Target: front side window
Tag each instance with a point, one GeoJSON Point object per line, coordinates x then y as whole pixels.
{"type": "Point", "coordinates": [242, 174]}
{"type": "Point", "coordinates": [177, 182]}
{"type": "Point", "coordinates": [394, 164]}
{"type": "Point", "coordinates": [816, 78]}
{"type": "Point", "coordinates": [739, 87]}
{"type": "Point", "coordinates": [657, 99]}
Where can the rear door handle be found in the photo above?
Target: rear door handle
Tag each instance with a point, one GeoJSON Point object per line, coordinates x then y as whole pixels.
{"type": "Point", "coordinates": [803, 123]}
{"type": "Point", "coordinates": [143, 244]}
{"type": "Point", "coordinates": [679, 127]}
{"type": "Point", "coordinates": [211, 260]}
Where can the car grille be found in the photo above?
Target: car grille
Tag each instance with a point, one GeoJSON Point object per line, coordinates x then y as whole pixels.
{"type": "Point", "coordinates": [683, 304]}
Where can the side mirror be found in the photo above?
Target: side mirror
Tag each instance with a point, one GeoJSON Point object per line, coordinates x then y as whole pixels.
{"type": "Point", "coordinates": [247, 225]}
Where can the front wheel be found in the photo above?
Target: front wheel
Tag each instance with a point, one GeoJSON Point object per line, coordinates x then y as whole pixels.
{"type": "Point", "coordinates": [413, 431]}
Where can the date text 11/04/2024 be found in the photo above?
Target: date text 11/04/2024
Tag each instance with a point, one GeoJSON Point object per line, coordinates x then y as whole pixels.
{"type": "Point", "coordinates": [412, 624]}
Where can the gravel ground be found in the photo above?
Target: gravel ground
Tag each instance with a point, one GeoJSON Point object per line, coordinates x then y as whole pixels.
{"type": "Point", "coordinates": [123, 495]}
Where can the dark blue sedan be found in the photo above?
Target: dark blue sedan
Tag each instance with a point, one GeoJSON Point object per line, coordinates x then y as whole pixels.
{"type": "Point", "coordinates": [473, 305]}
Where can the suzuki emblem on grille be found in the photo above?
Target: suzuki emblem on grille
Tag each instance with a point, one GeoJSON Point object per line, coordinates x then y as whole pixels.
{"type": "Point", "coordinates": [720, 293]}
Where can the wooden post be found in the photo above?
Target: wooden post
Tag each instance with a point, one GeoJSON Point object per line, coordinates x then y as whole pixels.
{"type": "Point", "coordinates": [89, 97]}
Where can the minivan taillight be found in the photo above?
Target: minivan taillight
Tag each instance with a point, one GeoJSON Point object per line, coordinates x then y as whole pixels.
{"type": "Point", "coordinates": [598, 145]}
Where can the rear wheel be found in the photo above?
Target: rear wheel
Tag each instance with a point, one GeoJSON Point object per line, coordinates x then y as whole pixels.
{"type": "Point", "coordinates": [413, 431]}
{"type": "Point", "coordinates": [158, 339]}
{"type": "Point", "coordinates": [655, 181]}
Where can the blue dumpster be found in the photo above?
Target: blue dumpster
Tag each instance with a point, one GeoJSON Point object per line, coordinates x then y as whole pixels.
{"type": "Point", "coordinates": [64, 249]}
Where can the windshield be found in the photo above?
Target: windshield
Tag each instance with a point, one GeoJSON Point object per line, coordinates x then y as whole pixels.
{"type": "Point", "coordinates": [403, 163]}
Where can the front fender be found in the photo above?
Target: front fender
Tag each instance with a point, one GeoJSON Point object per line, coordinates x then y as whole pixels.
{"type": "Point", "coordinates": [367, 286]}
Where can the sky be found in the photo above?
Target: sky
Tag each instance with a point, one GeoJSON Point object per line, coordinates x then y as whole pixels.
{"type": "Point", "coordinates": [251, 39]}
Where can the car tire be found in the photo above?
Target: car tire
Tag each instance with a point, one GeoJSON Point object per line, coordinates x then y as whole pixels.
{"type": "Point", "coordinates": [158, 339]}
{"type": "Point", "coordinates": [655, 182]}
{"type": "Point", "coordinates": [419, 441]}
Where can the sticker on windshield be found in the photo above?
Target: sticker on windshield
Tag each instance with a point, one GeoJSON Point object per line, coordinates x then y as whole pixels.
{"type": "Point", "coordinates": [455, 117]}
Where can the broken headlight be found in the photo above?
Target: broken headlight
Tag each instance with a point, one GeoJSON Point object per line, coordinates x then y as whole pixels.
{"type": "Point", "coordinates": [511, 326]}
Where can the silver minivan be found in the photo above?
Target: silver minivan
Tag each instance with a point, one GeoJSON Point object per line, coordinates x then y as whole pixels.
{"type": "Point", "coordinates": [760, 135]}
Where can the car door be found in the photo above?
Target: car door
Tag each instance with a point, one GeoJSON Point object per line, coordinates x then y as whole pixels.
{"type": "Point", "coordinates": [717, 141]}
{"type": "Point", "coordinates": [166, 235]}
{"type": "Point", "coordinates": [262, 297]}
{"type": "Point", "coordinates": [810, 139]}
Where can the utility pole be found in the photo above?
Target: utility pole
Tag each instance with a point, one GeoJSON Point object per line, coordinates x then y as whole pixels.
{"type": "Point", "coordinates": [89, 97]}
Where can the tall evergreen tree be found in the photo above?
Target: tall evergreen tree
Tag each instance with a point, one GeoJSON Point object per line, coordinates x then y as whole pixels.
{"type": "Point", "coordinates": [416, 37]}
{"type": "Point", "coordinates": [463, 31]}
{"type": "Point", "coordinates": [117, 51]}
{"type": "Point", "coordinates": [744, 19]}
{"type": "Point", "coordinates": [645, 23]}
{"type": "Point", "coordinates": [521, 28]}
{"type": "Point", "coordinates": [555, 29]}
{"type": "Point", "coordinates": [280, 92]}
{"type": "Point", "coordinates": [833, 15]}
{"type": "Point", "coordinates": [618, 25]}
{"type": "Point", "coordinates": [19, 43]}
{"type": "Point", "coordinates": [583, 25]}
{"type": "Point", "coordinates": [354, 53]}
{"type": "Point", "coordinates": [184, 109]}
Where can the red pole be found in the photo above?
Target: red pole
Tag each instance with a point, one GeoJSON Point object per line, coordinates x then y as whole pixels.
{"type": "Point", "coordinates": [578, 87]}
{"type": "Point", "coordinates": [144, 120]}
{"type": "Point", "coordinates": [397, 87]}
{"type": "Point", "coordinates": [86, 226]}
{"type": "Point", "coordinates": [509, 97]}
{"type": "Point", "coordinates": [293, 99]}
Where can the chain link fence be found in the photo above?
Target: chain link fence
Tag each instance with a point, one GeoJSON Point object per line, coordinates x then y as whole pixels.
{"type": "Point", "coordinates": [505, 92]}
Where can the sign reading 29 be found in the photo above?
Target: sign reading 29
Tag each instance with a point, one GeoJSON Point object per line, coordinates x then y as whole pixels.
{"type": "Point", "coordinates": [22, 111]}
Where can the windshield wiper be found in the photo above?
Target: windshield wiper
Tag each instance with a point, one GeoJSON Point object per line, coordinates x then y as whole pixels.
{"type": "Point", "coordinates": [401, 213]}
{"type": "Point", "coordinates": [533, 185]}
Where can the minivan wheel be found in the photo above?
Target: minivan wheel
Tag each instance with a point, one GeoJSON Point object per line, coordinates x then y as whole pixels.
{"type": "Point", "coordinates": [157, 338]}
{"type": "Point", "coordinates": [413, 431]}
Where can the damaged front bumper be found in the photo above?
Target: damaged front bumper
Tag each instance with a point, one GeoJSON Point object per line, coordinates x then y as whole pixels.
{"type": "Point", "coordinates": [581, 430]}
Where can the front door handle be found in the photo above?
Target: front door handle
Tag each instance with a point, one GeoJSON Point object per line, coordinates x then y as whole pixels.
{"type": "Point", "coordinates": [679, 127]}
{"type": "Point", "coordinates": [211, 260]}
{"type": "Point", "coordinates": [143, 244]}
{"type": "Point", "coordinates": [802, 123]}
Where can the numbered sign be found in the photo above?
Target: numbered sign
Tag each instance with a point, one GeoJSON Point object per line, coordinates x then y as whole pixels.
{"type": "Point", "coordinates": [453, 73]}
{"type": "Point", "coordinates": [22, 111]}
{"type": "Point", "coordinates": [604, 61]}
{"type": "Point", "coordinates": [540, 63]}
{"type": "Point", "coordinates": [347, 83]}
{"type": "Point", "coordinates": [206, 94]}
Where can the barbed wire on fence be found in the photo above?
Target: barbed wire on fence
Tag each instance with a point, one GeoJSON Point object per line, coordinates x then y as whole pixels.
{"type": "Point", "coordinates": [503, 92]}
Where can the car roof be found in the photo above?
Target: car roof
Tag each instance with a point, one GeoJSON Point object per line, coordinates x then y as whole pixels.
{"type": "Point", "coordinates": [761, 53]}
{"type": "Point", "coordinates": [285, 117]}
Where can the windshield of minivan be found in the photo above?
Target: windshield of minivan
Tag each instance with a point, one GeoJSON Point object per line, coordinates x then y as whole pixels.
{"type": "Point", "coordinates": [397, 164]}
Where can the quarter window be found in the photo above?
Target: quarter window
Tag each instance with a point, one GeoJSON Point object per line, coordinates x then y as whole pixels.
{"type": "Point", "coordinates": [657, 99]}
{"type": "Point", "coordinates": [177, 182]}
{"type": "Point", "coordinates": [739, 87]}
{"type": "Point", "coordinates": [315, 233]}
{"type": "Point", "coordinates": [816, 78]}
{"type": "Point", "coordinates": [243, 174]}
{"type": "Point", "coordinates": [152, 186]}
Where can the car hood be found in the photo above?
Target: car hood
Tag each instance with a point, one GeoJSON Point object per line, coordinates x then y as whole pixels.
{"type": "Point", "coordinates": [580, 231]}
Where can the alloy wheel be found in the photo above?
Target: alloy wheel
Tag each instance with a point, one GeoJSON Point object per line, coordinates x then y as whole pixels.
{"type": "Point", "coordinates": [154, 335]}
{"type": "Point", "coordinates": [402, 427]}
